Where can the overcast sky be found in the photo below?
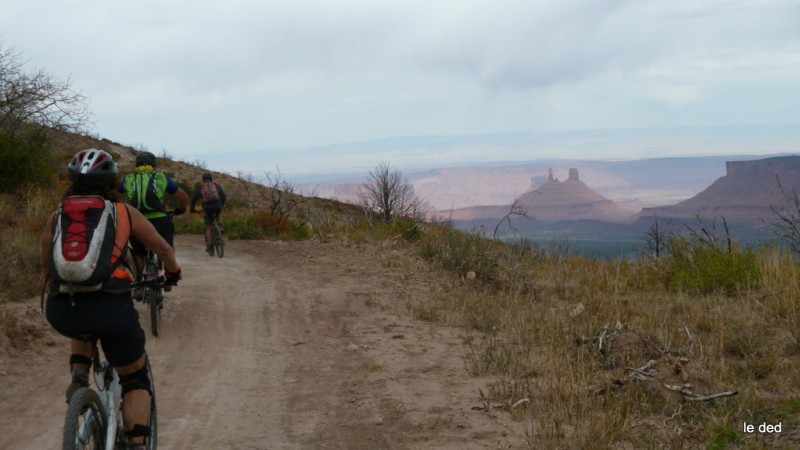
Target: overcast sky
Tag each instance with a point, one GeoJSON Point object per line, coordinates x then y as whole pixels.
{"type": "Point", "coordinates": [196, 78]}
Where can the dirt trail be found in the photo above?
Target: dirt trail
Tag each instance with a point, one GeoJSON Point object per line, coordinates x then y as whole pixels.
{"type": "Point", "coordinates": [281, 346]}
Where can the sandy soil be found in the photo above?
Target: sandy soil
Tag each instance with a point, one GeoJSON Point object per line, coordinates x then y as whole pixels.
{"type": "Point", "coordinates": [280, 345]}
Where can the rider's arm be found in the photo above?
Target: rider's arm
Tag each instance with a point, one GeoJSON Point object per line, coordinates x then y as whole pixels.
{"type": "Point", "coordinates": [144, 231]}
{"type": "Point", "coordinates": [195, 197]}
{"type": "Point", "coordinates": [183, 198]}
{"type": "Point", "coordinates": [47, 242]}
{"type": "Point", "coordinates": [174, 189]}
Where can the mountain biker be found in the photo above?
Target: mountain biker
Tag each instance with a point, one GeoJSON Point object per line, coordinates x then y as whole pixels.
{"type": "Point", "coordinates": [145, 189]}
{"type": "Point", "coordinates": [213, 201]}
{"type": "Point", "coordinates": [108, 312]}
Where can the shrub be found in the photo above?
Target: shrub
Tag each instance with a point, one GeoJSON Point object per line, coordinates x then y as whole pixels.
{"type": "Point", "coordinates": [704, 268]}
{"type": "Point", "coordinates": [25, 161]}
{"type": "Point", "coordinates": [461, 252]}
{"type": "Point", "coordinates": [24, 217]}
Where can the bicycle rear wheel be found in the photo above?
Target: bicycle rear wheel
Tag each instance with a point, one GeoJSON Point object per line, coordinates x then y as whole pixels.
{"type": "Point", "coordinates": [85, 423]}
{"type": "Point", "coordinates": [153, 298]}
{"type": "Point", "coordinates": [219, 244]}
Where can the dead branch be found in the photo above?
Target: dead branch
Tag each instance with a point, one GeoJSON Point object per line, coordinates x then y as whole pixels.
{"type": "Point", "coordinates": [712, 396]}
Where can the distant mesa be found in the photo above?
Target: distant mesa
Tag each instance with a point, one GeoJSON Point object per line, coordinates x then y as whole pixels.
{"type": "Point", "coordinates": [744, 194]}
{"type": "Point", "coordinates": [556, 200]}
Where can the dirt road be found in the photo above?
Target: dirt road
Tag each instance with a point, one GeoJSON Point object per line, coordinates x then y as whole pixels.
{"type": "Point", "coordinates": [280, 345]}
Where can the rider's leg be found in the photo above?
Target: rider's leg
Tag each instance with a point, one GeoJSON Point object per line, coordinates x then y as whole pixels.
{"type": "Point", "coordinates": [79, 363]}
{"type": "Point", "coordinates": [81, 348]}
{"type": "Point", "coordinates": [208, 235]}
{"type": "Point", "coordinates": [136, 397]}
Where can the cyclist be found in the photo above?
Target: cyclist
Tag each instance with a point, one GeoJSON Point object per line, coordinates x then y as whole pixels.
{"type": "Point", "coordinates": [145, 190]}
{"type": "Point", "coordinates": [107, 311]}
{"type": "Point", "coordinates": [213, 201]}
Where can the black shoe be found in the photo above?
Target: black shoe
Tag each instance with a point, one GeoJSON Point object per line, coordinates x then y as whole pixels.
{"type": "Point", "coordinates": [167, 288]}
{"type": "Point", "coordinates": [210, 250]}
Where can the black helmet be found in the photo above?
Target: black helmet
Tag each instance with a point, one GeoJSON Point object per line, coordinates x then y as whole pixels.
{"type": "Point", "coordinates": [145, 159]}
{"type": "Point", "coordinates": [207, 176]}
{"type": "Point", "coordinates": [92, 166]}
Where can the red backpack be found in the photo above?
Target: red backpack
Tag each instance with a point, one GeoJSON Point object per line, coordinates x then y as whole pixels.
{"type": "Point", "coordinates": [209, 191]}
{"type": "Point", "coordinates": [89, 242]}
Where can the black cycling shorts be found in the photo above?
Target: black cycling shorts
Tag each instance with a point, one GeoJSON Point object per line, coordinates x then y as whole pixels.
{"type": "Point", "coordinates": [209, 214]}
{"type": "Point", "coordinates": [165, 228]}
{"type": "Point", "coordinates": [112, 317]}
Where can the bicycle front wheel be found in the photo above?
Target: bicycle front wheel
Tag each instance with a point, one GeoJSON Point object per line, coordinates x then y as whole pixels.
{"type": "Point", "coordinates": [85, 424]}
{"type": "Point", "coordinates": [152, 441]}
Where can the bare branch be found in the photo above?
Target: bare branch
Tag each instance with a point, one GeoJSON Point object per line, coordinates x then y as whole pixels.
{"type": "Point", "coordinates": [37, 98]}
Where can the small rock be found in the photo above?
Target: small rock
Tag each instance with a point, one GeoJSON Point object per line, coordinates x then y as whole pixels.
{"type": "Point", "coordinates": [352, 347]}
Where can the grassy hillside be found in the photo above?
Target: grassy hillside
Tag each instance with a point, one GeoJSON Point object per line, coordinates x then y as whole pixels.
{"type": "Point", "coordinates": [670, 352]}
{"type": "Point", "coordinates": [253, 211]}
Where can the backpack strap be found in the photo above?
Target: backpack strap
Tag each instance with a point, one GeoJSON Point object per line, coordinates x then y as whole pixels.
{"type": "Point", "coordinates": [124, 225]}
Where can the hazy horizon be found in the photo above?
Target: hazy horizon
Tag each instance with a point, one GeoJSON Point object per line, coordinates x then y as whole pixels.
{"type": "Point", "coordinates": [415, 154]}
{"type": "Point", "coordinates": [305, 83]}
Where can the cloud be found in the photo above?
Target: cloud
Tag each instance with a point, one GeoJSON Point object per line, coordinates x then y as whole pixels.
{"type": "Point", "coordinates": [251, 74]}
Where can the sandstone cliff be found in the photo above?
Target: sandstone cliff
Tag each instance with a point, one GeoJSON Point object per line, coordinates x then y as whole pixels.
{"type": "Point", "coordinates": [745, 193]}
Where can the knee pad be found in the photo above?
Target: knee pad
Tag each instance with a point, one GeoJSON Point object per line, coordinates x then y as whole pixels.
{"type": "Point", "coordinates": [140, 379]}
{"type": "Point", "coordinates": [79, 359]}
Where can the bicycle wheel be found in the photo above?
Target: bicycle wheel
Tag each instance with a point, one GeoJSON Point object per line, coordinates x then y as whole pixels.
{"type": "Point", "coordinates": [152, 440]}
{"type": "Point", "coordinates": [85, 423]}
{"type": "Point", "coordinates": [219, 244]}
{"type": "Point", "coordinates": [152, 297]}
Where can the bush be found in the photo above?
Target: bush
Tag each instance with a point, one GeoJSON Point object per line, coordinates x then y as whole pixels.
{"type": "Point", "coordinates": [460, 252]}
{"type": "Point", "coordinates": [704, 268]}
{"type": "Point", "coordinates": [25, 161]}
{"type": "Point", "coordinates": [24, 217]}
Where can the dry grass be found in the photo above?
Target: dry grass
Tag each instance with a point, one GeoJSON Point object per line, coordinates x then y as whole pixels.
{"type": "Point", "coordinates": [22, 219]}
{"type": "Point", "coordinates": [563, 333]}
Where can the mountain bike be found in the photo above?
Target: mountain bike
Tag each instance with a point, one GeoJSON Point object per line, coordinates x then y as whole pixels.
{"type": "Point", "coordinates": [94, 417]}
{"type": "Point", "coordinates": [151, 289]}
{"type": "Point", "coordinates": [218, 244]}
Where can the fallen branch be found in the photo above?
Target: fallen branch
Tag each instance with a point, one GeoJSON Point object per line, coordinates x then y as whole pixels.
{"type": "Point", "coordinates": [519, 402]}
{"type": "Point", "coordinates": [642, 373]}
{"type": "Point", "coordinates": [712, 396]}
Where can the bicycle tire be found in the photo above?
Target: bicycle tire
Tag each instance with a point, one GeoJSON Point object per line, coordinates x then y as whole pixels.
{"type": "Point", "coordinates": [152, 441]}
{"type": "Point", "coordinates": [152, 297]}
{"type": "Point", "coordinates": [219, 244]}
{"type": "Point", "coordinates": [85, 409]}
